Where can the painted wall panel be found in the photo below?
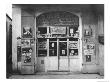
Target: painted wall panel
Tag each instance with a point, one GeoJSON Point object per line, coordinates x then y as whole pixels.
{"type": "Point", "coordinates": [53, 63]}
{"type": "Point", "coordinates": [90, 20]}
{"type": "Point", "coordinates": [63, 64]}
{"type": "Point", "coordinates": [40, 64]}
{"type": "Point", "coordinates": [75, 65]}
{"type": "Point", "coordinates": [16, 32]}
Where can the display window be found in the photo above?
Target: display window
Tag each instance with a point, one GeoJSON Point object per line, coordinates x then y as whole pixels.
{"type": "Point", "coordinates": [73, 52]}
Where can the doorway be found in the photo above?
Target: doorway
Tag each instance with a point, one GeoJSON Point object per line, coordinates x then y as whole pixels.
{"type": "Point", "coordinates": [58, 56]}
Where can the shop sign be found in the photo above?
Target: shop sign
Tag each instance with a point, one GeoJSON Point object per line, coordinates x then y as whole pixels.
{"type": "Point", "coordinates": [58, 30]}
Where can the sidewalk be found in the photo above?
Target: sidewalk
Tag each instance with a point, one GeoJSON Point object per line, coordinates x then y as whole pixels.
{"type": "Point", "coordinates": [57, 76]}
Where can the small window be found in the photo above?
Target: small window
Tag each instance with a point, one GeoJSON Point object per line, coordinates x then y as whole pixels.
{"type": "Point", "coordinates": [42, 30]}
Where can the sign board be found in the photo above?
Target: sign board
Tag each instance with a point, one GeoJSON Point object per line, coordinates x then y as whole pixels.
{"type": "Point", "coordinates": [58, 30]}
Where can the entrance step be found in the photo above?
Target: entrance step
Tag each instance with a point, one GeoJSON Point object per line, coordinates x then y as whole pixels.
{"type": "Point", "coordinates": [57, 73]}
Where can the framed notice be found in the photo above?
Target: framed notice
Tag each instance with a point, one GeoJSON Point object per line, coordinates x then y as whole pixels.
{"type": "Point", "coordinates": [88, 52]}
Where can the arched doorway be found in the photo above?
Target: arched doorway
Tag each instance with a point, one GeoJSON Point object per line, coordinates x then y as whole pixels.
{"type": "Point", "coordinates": [58, 44]}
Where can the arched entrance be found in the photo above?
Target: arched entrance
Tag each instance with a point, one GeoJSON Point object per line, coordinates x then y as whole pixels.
{"type": "Point", "coordinates": [58, 45]}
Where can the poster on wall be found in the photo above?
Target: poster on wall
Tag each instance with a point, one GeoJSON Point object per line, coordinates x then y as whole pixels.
{"type": "Point", "coordinates": [89, 49]}
{"type": "Point", "coordinates": [88, 52]}
{"type": "Point", "coordinates": [27, 32]}
{"type": "Point", "coordinates": [58, 30]}
{"type": "Point", "coordinates": [25, 43]}
{"type": "Point", "coordinates": [27, 54]}
{"type": "Point", "coordinates": [42, 45]}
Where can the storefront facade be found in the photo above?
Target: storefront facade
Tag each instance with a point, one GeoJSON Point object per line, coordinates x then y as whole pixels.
{"type": "Point", "coordinates": [55, 38]}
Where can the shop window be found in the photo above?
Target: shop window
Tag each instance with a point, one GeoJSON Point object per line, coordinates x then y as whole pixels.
{"type": "Point", "coordinates": [73, 52]}
{"type": "Point", "coordinates": [73, 47]}
{"type": "Point", "coordinates": [42, 30]}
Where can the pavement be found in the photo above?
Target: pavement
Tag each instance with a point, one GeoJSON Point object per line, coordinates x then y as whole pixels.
{"type": "Point", "coordinates": [57, 76]}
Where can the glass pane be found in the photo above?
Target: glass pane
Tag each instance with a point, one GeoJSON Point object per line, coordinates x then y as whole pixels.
{"type": "Point", "coordinates": [53, 52]}
{"type": "Point", "coordinates": [73, 52]}
{"type": "Point", "coordinates": [52, 48]}
{"type": "Point", "coordinates": [63, 48]}
{"type": "Point", "coordinates": [52, 45]}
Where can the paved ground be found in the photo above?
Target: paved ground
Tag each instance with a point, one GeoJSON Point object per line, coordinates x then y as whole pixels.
{"type": "Point", "coordinates": [57, 76]}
